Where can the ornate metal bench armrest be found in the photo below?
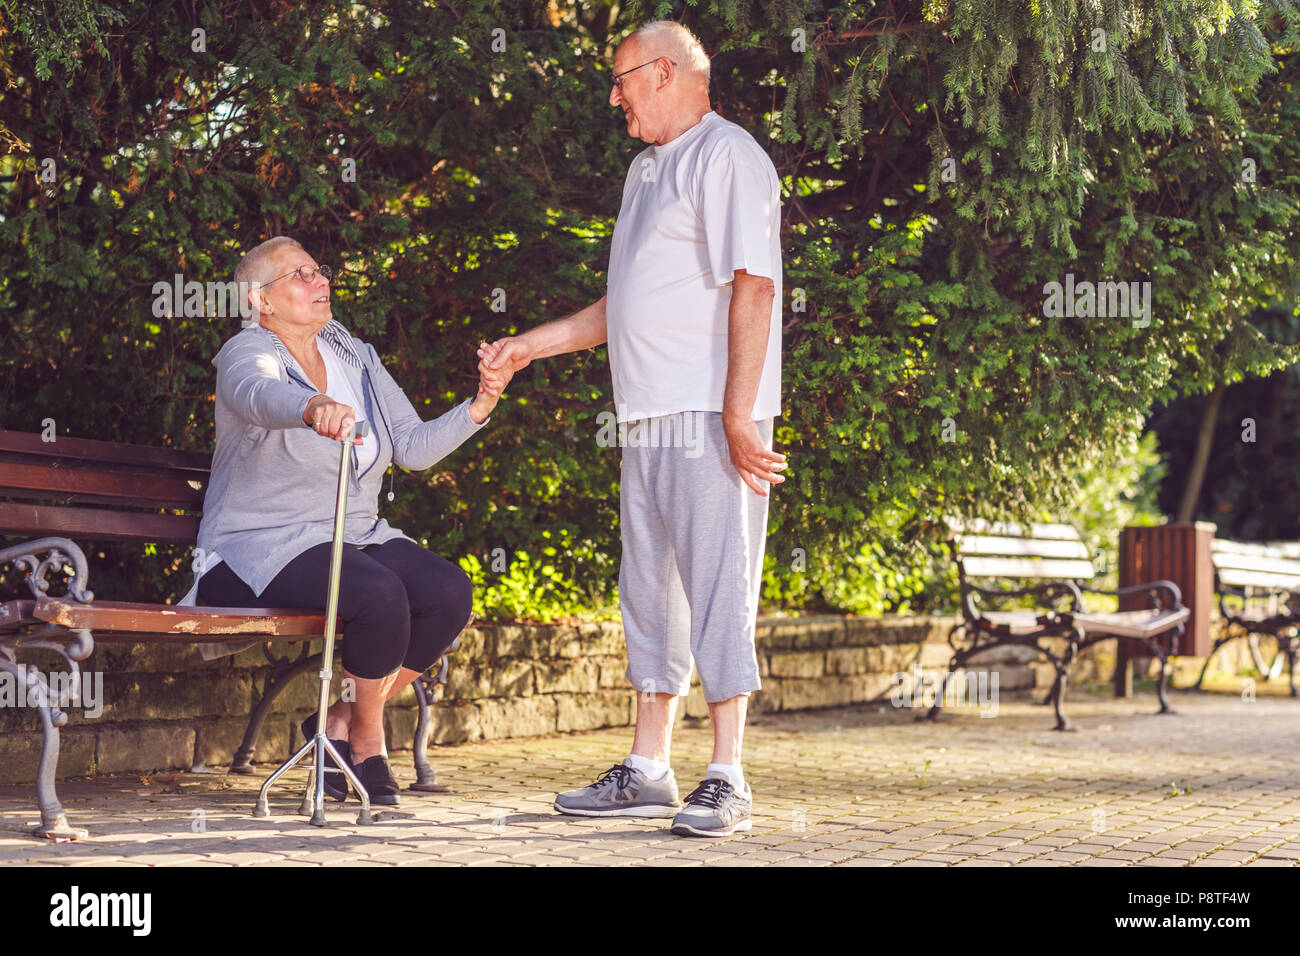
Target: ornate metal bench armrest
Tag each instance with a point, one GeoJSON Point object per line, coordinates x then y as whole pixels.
{"type": "Point", "coordinates": [59, 552]}
{"type": "Point", "coordinates": [1153, 588]}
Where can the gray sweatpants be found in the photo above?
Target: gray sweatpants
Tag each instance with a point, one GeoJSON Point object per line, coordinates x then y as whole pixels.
{"type": "Point", "coordinates": [693, 536]}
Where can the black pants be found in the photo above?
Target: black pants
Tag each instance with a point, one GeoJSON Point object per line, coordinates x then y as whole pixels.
{"type": "Point", "coordinates": [400, 604]}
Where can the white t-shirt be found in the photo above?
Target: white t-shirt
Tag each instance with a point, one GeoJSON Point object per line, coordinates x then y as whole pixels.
{"type": "Point", "coordinates": [339, 388]}
{"type": "Point", "coordinates": [694, 211]}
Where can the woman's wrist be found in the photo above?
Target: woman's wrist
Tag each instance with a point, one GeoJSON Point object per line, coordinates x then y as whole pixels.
{"type": "Point", "coordinates": [481, 407]}
{"type": "Point", "coordinates": [313, 403]}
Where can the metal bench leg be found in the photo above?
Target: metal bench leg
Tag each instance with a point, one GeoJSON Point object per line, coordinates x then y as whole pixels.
{"type": "Point", "coordinates": [275, 685]}
{"type": "Point", "coordinates": [958, 660]}
{"type": "Point", "coordinates": [426, 778]}
{"type": "Point", "coordinates": [1218, 643]}
{"type": "Point", "coordinates": [54, 821]}
{"type": "Point", "coordinates": [1162, 684]}
{"type": "Point", "coordinates": [1062, 665]}
{"type": "Point", "coordinates": [933, 712]}
{"type": "Point", "coordinates": [1057, 698]}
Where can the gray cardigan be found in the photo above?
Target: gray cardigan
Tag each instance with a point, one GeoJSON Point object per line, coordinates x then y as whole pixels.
{"type": "Point", "coordinates": [274, 480]}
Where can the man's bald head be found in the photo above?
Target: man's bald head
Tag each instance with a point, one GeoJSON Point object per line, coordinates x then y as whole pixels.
{"type": "Point", "coordinates": [669, 38]}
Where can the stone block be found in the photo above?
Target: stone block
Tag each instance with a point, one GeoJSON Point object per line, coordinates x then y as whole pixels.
{"type": "Point", "coordinates": [567, 676]}
{"type": "Point", "coordinates": [593, 711]}
{"type": "Point", "coordinates": [476, 646]}
{"type": "Point", "coordinates": [767, 700]}
{"type": "Point", "coordinates": [455, 723]}
{"type": "Point", "coordinates": [1012, 677]}
{"type": "Point", "coordinates": [891, 658]}
{"type": "Point", "coordinates": [217, 740]}
{"type": "Point", "coordinates": [512, 640]}
{"type": "Point", "coordinates": [168, 746]}
{"type": "Point", "coordinates": [303, 692]}
{"type": "Point", "coordinates": [829, 691]}
{"type": "Point", "coordinates": [504, 677]}
{"type": "Point", "coordinates": [842, 661]}
{"type": "Point", "coordinates": [796, 664]}
{"type": "Point", "coordinates": [399, 726]}
{"type": "Point", "coordinates": [695, 705]}
{"type": "Point", "coordinates": [563, 640]}
{"type": "Point", "coordinates": [613, 673]}
{"type": "Point", "coordinates": [171, 696]}
{"type": "Point", "coordinates": [275, 743]}
{"type": "Point", "coordinates": [601, 638]}
{"type": "Point", "coordinates": [151, 657]}
{"type": "Point", "coordinates": [20, 755]}
{"type": "Point", "coordinates": [525, 717]}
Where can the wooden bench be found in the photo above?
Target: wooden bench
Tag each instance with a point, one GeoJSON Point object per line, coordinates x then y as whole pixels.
{"type": "Point", "coordinates": [1056, 624]}
{"type": "Point", "coordinates": [1259, 596]}
{"type": "Point", "coordinates": [82, 489]}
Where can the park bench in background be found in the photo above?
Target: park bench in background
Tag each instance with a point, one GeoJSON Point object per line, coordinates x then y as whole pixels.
{"type": "Point", "coordinates": [1053, 556]}
{"type": "Point", "coordinates": [1259, 596]}
{"type": "Point", "coordinates": [75, 489]}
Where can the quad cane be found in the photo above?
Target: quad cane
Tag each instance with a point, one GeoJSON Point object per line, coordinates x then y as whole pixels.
{"type": "Point", "coordinates": [313, 800]}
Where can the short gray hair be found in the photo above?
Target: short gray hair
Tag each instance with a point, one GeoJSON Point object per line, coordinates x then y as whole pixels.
{"type": "Point", "coordinates": [669, 38]}
{"type": "Point", "coordinates": [254, 266]}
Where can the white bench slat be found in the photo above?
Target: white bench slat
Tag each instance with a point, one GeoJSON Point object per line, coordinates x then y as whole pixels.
{"type": "Point", "coordinates": [984, 567]}
{"type": "Point", "coordinates": [1276, 549]}
{"type": "Point", "coordinates": [1237, 578]}
{"type": "Point", "coordinates": [1009, 547]}
{"type": "Point", "coordinates": [1249, 562]}
{"type": "Point", "coordinates": [1009, 529]}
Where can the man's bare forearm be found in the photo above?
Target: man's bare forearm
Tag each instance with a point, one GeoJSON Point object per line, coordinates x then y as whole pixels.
{"type": "Point", "coordinates": [749, 321]}
{"type": "Point", "coordinates": [582, 330]}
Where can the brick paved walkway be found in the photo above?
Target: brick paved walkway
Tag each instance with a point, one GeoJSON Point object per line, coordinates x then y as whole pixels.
{"type": "Point", "coordinates": [1215, 784]}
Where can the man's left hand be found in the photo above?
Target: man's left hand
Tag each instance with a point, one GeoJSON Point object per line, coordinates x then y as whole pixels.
{"type": "Point", "coordinates": [754, 460]}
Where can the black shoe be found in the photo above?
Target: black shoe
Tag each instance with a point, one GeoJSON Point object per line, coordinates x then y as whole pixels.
{"type": "Point", "coordinates": [336, 782]}
{"type": "Point", "coordinates": [377, 777]}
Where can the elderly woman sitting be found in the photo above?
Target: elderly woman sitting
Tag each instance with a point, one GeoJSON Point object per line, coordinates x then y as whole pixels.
{"type": "Point", "coordinates": [287, 389]}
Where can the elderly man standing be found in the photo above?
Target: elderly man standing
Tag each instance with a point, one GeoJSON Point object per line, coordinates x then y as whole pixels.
{"type": "Point", "coordinates": [692, 317]}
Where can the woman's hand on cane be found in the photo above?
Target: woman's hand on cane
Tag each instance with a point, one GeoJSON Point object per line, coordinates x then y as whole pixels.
{"type": "Point", "coordinates": [330, 418]}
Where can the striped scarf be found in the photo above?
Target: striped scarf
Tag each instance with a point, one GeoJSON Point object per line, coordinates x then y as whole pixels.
{"type": "Point", "coordinates": [333, 333]}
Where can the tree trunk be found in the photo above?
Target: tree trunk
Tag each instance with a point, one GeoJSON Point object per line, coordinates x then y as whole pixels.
{"type": "Point", "coordinates": [1201, 457]}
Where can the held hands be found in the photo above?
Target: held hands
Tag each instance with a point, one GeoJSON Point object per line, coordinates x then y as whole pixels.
{"type": "Point", "coordinates": [491, 382]}
{"type": "Point", "coordinates": [330, 418]}
{"type": "Point", "coordinates": [751, 457]}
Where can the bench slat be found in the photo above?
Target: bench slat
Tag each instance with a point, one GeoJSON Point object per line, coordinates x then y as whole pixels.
{"type": "Point", "coordinates": [1003, 546]}
{"type": "Point", "coordinates": [1277, 549]}
{"type": "Point", "coordinates": [1250, 562]}
{"type": "Point", "coordinates": [15, 613]}
{"type": "Point", "coordinates": [93, 450]}
{"type": "Point", "coordinates": [1236, 578]}
{"type": "Point", "coordinates": [17, 518]}
{"type": "Point", "coordinates": [980, 526]}
{"type": "Point", "coordinates": [19, 479]}
{"type": "Point", "coordinates": [128, 618]}
{"type": "Point", "coordinates": [982, 567]}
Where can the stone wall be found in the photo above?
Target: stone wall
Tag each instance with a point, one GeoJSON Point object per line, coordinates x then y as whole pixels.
{"type": "Point", "coordinates": [165, 708]}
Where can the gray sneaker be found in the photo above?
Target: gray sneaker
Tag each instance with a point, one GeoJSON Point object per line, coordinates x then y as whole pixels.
{"type": "Point", "coordinates": [713, 809]}
{"type": "Point", "coordinates": [623, 791]}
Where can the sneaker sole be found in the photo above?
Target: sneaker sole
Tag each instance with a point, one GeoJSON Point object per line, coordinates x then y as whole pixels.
{"type": "Point", "coordinates": [685, 829]}
{"type": "Point", "coordinates": [658, 810]}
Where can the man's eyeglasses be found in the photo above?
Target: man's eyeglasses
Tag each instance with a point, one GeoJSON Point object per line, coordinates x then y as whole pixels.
{"type": "Point", "coordinates": [618, 77]}
{"type": "Point", "coordinates": [306, 273]}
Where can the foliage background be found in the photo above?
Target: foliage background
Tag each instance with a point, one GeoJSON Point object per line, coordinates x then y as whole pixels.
{"type": "Point", "coordinates": [480, 170]}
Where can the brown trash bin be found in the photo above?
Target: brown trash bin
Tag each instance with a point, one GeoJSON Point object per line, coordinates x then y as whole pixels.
{"type": "Point", "coordinates": [1178, 552]}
